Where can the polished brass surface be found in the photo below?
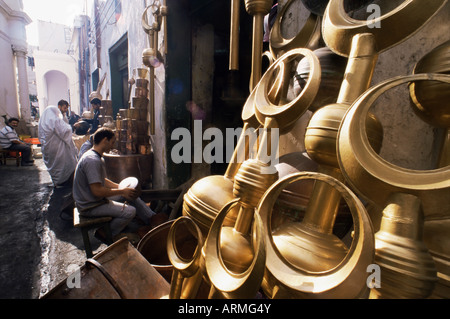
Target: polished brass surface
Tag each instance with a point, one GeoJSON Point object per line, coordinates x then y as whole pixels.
{"type": "Point", "coordinates": [373, 177]}
{"type": "Point", "coordinates": [307, 37]}
{"type": "Point", "coordinates": [431, 99]}
{"type": "Point", "coordinates": [407, 268]}
{"type": "Point", "coordinates": [291, 273]}
{"type": "Point", "coordinates": [151, 57]}
{"type": "Point", "coordinates": [338, 28]}
{"type": "Point", "coordinates": [288, 113]}
{"type": "Point", "coordinates": [226, 283]}
{"type": "Point", "coordinates": [185, 266]}
{"type": "Point", "coordinates": [333, 67]}
{"type": "Point", "coordinates": [234, 35]}
{"type": "Point", "coordinates": [258, 9]}
{"type": "Point", "coordinates": [205, 198]}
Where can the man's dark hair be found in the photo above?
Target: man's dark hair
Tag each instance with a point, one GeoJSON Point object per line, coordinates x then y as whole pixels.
{"type": "Point", "coordinates": [101, 133]}
{"type": "Point", "coordinates": [82, 128]}
{"type": "Point", "coordinates": [63, 102]}
{"type": "Point", "coordinates": [96, 101]}
{"type": "Point", "coordinates": [12, 119]}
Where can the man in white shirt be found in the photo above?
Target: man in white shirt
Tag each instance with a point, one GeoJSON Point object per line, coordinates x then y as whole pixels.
{"type": "Point", "coordinates": [9, 140]}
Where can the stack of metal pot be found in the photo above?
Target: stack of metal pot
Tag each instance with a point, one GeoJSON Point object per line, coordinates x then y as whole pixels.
{"type": "Point", "coordinates": [132, 124]}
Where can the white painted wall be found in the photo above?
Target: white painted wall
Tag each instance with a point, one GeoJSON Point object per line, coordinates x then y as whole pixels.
{"type": "Point", "coordinates": [56, 74]}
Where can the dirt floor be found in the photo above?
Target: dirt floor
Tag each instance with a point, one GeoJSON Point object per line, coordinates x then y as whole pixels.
{"type": "Point", "coordinates": [39, 245]}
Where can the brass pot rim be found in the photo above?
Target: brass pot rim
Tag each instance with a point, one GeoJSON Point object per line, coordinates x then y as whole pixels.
{"type": "Point", "coordinates": [187, 268]}
{"type": "Point", "coordinates": [234, 285]}
{"type": "Point", "coordinates": [303, 38]}
{"type": "Point", "coordinates": [290, 112]}
{"type": "Point", "coordinates": [359, 256]}
{"type": "Point", "coordinates": [338, 28]}
{"type": "Point", "coordinates": [355, 155]}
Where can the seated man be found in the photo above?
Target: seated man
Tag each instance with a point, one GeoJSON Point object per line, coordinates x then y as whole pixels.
{"type": "Point", "coordinates": [92, 190]}
{"type": "Point", "coordinates": [9, 140]}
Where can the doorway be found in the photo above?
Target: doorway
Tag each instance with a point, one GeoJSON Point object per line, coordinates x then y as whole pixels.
{"type": "Point", "coordinates": [118, 57]}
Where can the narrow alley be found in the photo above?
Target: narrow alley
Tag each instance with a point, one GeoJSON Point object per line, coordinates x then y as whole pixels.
{"type": "Point", "coordinates": [40, 246]}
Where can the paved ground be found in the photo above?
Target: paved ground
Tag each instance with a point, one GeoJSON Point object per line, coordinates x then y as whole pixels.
{"type": "Point", "coordinates": [39, 248]}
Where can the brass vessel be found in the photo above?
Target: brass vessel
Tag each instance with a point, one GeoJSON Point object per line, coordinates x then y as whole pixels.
{"type": "Point", "coordinates": [258, 9]}
{"type": "Point", "coordinates": [311, 263]}
{"type": "Point", "coordinates": [333, 70]}
{"type": "Point", "coordinates": [187, 266]}
{"type": "Point", "coordinates": [373, 177]}
{"type": "Point", "coordinates": [377, 180]}
{"type": "Point", "coordinates": [307, 37]}
{"type": "Point", "coordinates": [228, 284]}
{"type": "Point", "coordinates": [407, 268]}
{"type": "Point", "coordinates": [338, 29]}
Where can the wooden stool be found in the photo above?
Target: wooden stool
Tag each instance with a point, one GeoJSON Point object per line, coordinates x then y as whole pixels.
{"type": "Point", "coordinates": [5, 153]}
{"type": "Point", "coordinates": [86, 223]}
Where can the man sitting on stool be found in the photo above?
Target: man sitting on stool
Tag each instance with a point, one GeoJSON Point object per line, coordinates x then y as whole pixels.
{"type": "Point", "coordinates": [9, 140]}
{"type": "Point", "coordinates": [92, 191]}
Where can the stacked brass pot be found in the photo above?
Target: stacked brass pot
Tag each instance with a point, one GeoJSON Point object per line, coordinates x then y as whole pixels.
{"type": "Point", "coordinates": [132, 124]}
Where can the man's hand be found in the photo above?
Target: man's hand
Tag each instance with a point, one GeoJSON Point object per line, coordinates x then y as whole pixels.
{"type": "Point", "coordinates": [130, 193]}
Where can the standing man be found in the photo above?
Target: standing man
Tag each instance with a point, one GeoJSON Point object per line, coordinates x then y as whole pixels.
{"type": "Point", "coordinates": [92, 191]}
{"type": "Point", "coordinates": [9, 140]}
{"type": "Point", "coordinates": [95, 103]}
{"type": "Point", "coordinates": [58, 150]}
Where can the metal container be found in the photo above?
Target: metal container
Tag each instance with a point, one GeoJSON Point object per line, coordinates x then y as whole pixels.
{"type": "Point", "coordinates": [153, 246]}
{"type": "Point", "coordinates": [119, 167]}
{"type": "Point", "coordinates": [118, 272]}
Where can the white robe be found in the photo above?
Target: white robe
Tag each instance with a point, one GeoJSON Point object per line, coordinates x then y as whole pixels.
{"type": "Point", "coordinates": [58, 150]}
